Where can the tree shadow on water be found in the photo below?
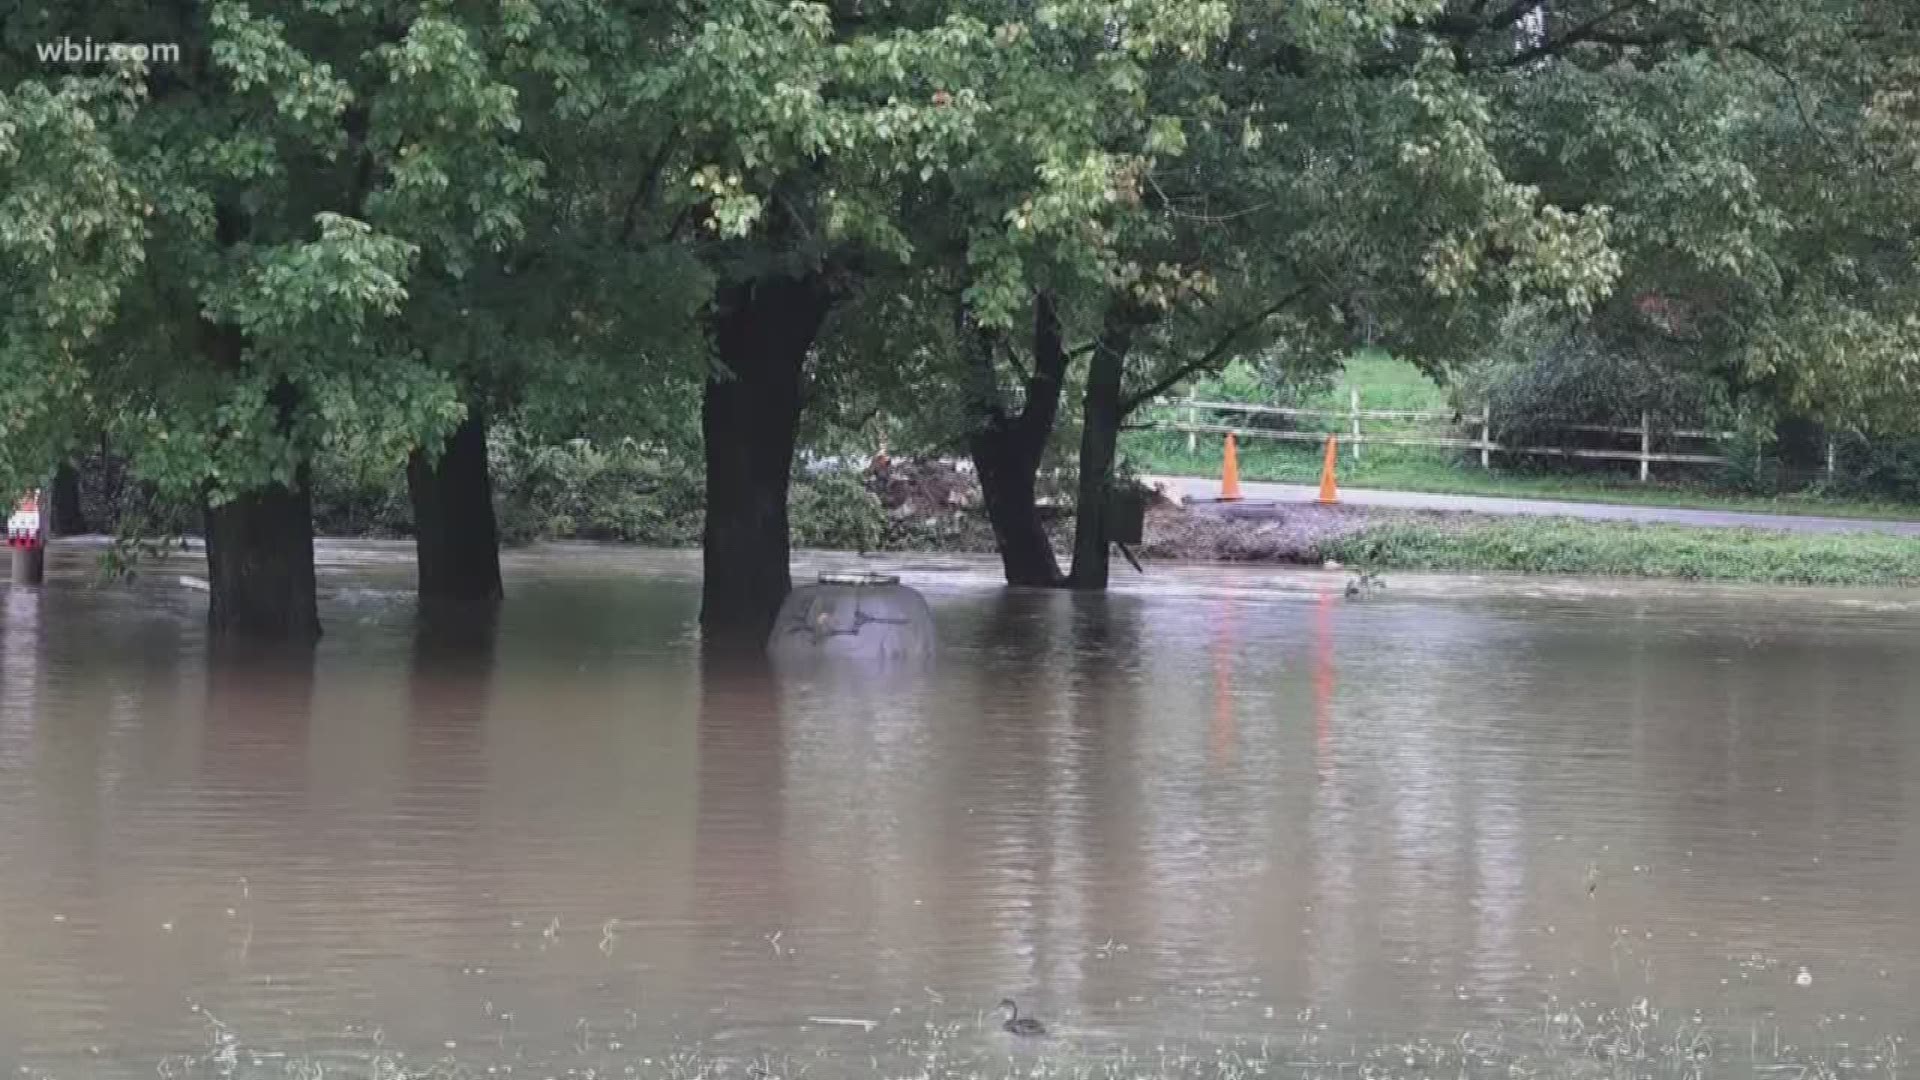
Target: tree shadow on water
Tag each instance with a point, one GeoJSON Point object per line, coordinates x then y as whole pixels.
{"type": "Point", "coordinates": [1024, 629]}
{"type": "Point", "coordinates": [739, 861]}
{"type": "Point", "coordinates": [1105, 631]}
{"type": "Point", "coordinates": [259, 707]}
{"type": "Point", "coordinates": [456, 641]}
{"type": "Point", "coordinates": [449, 690]}
{"type": "Point", "coordinates": [1021, 629]}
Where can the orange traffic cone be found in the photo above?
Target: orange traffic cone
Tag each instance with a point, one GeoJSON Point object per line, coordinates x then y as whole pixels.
{"type": "Point", "coordinates": [1230, 473]}
{"type": "Point", "coordinates": [1328, 493]}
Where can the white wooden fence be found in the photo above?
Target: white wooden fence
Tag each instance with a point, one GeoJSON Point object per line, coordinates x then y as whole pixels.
{"type": "Point", "coordinates": [1196, 417]}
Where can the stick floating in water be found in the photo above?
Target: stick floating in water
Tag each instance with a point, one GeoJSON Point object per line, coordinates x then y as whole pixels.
{"type": "Point", "coordinates": [841, 1021]}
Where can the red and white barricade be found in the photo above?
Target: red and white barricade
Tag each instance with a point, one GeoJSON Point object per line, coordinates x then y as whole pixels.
{"type": "Point", "coordinates": [23, 528]}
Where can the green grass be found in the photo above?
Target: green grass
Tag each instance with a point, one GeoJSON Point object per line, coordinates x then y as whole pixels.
{"type": "Point", "coordinates": [1386, 383]}
{"type": "Point", "coordinates": [1414, 469]}
{"type": "Point", "coordinates": [1614, 549]}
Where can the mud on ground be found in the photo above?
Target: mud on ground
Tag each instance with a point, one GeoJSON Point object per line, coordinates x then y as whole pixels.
{"type": "Point", "coordinates": [1297, 535]}
{"type": "Point", "coordinates": [928, 501]}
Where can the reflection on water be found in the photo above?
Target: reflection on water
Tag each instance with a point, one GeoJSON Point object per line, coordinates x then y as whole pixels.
{"type": "Point", "coordinates": [1212, 810]}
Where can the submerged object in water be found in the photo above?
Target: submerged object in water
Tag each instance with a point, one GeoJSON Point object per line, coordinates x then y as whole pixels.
{"type": "Point", "coordinates": [856, 615]}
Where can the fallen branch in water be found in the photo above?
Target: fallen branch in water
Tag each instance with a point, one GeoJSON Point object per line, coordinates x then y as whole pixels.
{"type": "Point", "coordinates": [841, 1021]}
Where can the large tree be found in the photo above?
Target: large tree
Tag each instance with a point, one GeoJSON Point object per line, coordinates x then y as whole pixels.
{"type": "Point", "coordinates": [1750, 156]}
{"type": "Point", "coordinates": [562, 302]}
{"type": "Point", "coordinates": [1204, 182]}
{"type": "Point", "coordinates": [811, 136]}
{"type": "Point", "coordinates": [253, 231]}
{"type": "Point", "coordinates": [1415, 169]}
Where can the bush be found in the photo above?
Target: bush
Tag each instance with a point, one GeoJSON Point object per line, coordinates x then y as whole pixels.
{"type": "Point", "coordinates": [1544, 378]}
{"type": "Point", "coordinates": [634, 493]}
{"type": "Point", "coordinates": [834, 509]}
{"type": "Point", "coordinates": [113, 501]}
{"type": "Point", "coordinates": [1752, 467]}
{"type": "Point", "coordinates": [625, 491]}
{"type": "Point", "coordinates": [352, 500]}
{"type": "Point", "coordinates": [579, 491]}
{"type": "Point", "coordinates": [1877, 470]}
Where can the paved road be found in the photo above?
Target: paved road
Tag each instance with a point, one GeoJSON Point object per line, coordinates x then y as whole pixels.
{"type": "Point", "coordinates": [1259, 497]}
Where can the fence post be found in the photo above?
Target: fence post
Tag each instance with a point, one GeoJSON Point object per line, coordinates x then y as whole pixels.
{"type": "Point", "coordinates": [1193, 417]}
{"type": "Point", "coordinates": [1353, 402]}
{"type": "Point", "coordinates": [1646, 446]}
{"type": "Point", "coordinates": [1829, 459]}
{"type": "Point", "coordinates": [1486, 435]}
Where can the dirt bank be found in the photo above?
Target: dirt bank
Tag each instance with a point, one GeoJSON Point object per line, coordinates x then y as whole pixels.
{"type": "Point", "coordinates": [1300, 535]}
{"type": "Point", "coordinates": [928, 498]}
{"type": "Point", "coordinates": [941, 512]}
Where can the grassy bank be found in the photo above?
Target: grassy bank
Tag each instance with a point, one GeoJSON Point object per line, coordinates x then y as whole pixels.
{"type": "Point", "coordinates": [1401, 469]}
{"type": "Point", "coordinates": [631, 494]}
{"type": "Point", "coordinates": [1385, 383]}
{"type": "Point", "coordinates": [1470, 543]}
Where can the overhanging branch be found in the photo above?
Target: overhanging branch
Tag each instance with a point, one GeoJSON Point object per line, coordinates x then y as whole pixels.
{"type": "Point", "coordinates": [1477, 23]}
{"type": "Point", "coordinates": [1593, 31]}
{"type": "Point", "coordinates": [1211, 356]}
{"type": "Point", "coordinates": [647, 190]}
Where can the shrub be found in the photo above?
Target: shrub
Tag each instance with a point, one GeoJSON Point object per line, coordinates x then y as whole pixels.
{"type": "Point", "coordinates": [834, 509]}
{"type": "Point", "coordinates": [580, 491]}
{"type": "Point", "coordinates": [1752, 467]}
{"type": "Point", "coordinates": [1877, 469]}
{"type": "Point", "coordinates": [1543, 380]}
{"type": "Point", "coordinates": [113, 501]}
{"type": "Point", "coordinates": [350, 499]}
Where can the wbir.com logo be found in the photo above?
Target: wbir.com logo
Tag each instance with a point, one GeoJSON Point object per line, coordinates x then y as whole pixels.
{"type": "Point", "coordinates": [88, 51]}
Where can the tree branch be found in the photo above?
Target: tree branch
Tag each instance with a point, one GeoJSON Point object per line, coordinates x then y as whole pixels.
{"type": "Point", "coordinates": [993, 342]}
{"type": "Point", "coordinates": [1212, 355]}
{"type": "Point", "coordinates": [978, 350]}
{"type": "Point", "coordinates": [1593, 31]}
{"type": "Point", "coordinates": [1477, 23]}
{"type": "Point", "coordinates": [649, 186]}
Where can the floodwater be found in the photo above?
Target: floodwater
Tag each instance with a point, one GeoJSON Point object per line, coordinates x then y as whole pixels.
{"type": "Point", "coordinates": [1218, 823]}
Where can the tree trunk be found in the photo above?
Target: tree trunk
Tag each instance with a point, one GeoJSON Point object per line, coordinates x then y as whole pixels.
{"type": "Point", "coordinates": [456, 540]}
{"type": "Point", "coordinates": [1099, 440]}
{"type": "Point", "coordinates": [260, 566]}
{"type": "Point", "coordinates": [68, 518]}
{"type": "Point", "coordinates": [260, 545]}
{"type": "Point", "coordinates": [1006, 456]}
{"type": "Point", "coordinates": [1007, 475]}
{"type": "Point", "coordinates": [763, 330]}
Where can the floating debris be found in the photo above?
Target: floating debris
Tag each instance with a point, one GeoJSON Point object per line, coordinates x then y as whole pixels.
{"type": "Point", "coordinates": [841, 1021]}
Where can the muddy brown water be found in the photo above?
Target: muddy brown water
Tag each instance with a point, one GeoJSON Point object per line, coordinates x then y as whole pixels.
{"type": "Point", "coordinates": [1220, 822]}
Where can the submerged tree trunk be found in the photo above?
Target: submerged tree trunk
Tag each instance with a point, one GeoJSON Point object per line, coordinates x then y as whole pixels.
{"type": "Point", "coordinates": [260, 545]}
{"type": "Point", "coordinates": [260, 566]}
{"type": "Point", "coordinates": [456, 540]}
{"type": "Point", "coordinates": [1007, 452]}
{"type": "Point", "coordinates": [1102, 412]}
{"type": "Point", "coordinates": [763, 330]}
{"type": "Point", "coordinates": [1007, 473]}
